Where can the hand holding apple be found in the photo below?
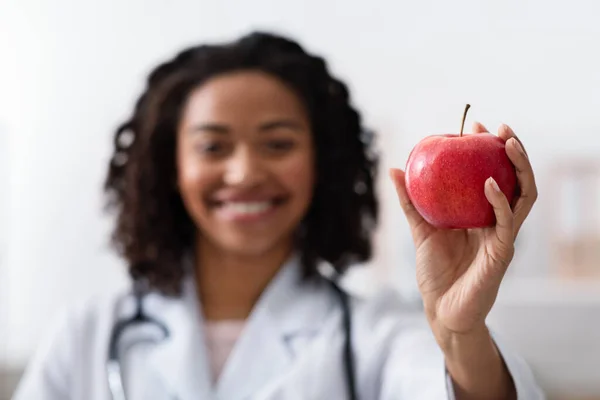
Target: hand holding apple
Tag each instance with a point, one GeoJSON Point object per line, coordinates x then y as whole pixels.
{"type": "Point", "coordinates": [459, 271]}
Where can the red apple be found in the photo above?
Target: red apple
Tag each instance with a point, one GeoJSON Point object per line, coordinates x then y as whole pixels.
{"type": "Point", "coordinates": [446, 174]}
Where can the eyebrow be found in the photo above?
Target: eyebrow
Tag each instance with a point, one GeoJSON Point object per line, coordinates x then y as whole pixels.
{"type": "Point", "coordinates": [210, 127]}
{"type": "Point", "coordinates": [282, 123]}
{"type": "Point", "coordinates": [265, 127]}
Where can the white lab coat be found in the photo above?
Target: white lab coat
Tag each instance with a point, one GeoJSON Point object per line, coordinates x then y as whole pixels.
{"type": "Point", "coordinates": [291, 348]}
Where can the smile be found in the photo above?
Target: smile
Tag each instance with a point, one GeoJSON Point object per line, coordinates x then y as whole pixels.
{"type": "Point", "coordinates": [246, 210]}
{"type": "Point", "coordinates": [247, 207]}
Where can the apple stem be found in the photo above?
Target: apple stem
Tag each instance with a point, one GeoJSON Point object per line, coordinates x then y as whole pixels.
{"type": "Point", "coordinates": [462, 125]}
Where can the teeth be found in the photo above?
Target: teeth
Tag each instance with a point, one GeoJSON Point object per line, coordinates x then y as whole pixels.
{"type": "Point", "coordinates": [246, 208]}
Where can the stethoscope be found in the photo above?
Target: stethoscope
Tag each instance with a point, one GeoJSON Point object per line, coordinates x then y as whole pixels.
{"type": "Point", "coordinates": [113, 365]}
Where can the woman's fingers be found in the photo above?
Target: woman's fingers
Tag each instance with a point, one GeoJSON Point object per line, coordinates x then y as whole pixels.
{"type": "Point", "coordinates": [506, 133]}
{"type": "Point", "coordinates": [418, 226]}
{"type": "Point", "coordinates": [479, 128]}
{"type": "Point", "coordinates": [503, 238]}
{"type": "Point", "coordinates": [527, 193]}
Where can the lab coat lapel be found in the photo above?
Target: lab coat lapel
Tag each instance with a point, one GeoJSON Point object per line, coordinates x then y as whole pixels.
{"type": "Point", "coordinates": [181, 361]}
{"type": "Point", "coordinates": [288, 310]}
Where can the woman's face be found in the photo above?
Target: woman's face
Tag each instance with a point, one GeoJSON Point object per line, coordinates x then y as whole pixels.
{"type": "Point", "coordinates": [245, 162]}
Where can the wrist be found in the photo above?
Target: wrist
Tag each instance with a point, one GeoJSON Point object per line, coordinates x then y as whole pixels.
{"type": "Point", "coordinates": [475, 365]}
{"type": "Point", "coordinates": [458, 345]}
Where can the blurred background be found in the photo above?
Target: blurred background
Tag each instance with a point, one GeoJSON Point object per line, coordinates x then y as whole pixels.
{"type": "Point", "coordinates": [70, 70]}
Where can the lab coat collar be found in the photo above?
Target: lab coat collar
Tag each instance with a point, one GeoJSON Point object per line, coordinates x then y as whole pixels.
{"type": "Point", "coordinates": [289, 308]}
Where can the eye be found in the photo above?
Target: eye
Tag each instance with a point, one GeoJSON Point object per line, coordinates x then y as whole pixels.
{"type": "Point", "coordinates": [280, 145]}
{"type": "Point", "coordinates": [211, 148]}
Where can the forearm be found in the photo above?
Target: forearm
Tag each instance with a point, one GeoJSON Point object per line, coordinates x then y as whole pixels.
{"type": "Point", "coordinates": [476, 366]}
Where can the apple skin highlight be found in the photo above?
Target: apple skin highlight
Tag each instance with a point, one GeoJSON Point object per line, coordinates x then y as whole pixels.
{"type": "Point", "coordinates": [446, 174]}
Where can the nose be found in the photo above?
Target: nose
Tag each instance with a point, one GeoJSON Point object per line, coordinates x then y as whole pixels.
{"type": "Point", "coordinates": [244, 168]}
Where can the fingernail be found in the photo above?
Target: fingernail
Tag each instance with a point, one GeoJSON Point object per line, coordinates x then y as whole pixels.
{"type": "Point", "coordinates": [518, 146]}
{"type": "Point", "coordinates": [494, 184]}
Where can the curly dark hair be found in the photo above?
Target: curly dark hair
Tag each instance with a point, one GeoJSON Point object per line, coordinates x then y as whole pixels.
{"type": "Point", "coordinates": [153, 230]}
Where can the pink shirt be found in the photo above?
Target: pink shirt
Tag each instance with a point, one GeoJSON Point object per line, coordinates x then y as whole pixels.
{"type": "Point", "coordinates": [221, 336]}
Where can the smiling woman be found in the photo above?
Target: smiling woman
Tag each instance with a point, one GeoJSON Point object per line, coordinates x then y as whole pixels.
{"type": "Point", "coordinates": [243, 173]}
{"type": "Point", "coordinates": [249, 149]}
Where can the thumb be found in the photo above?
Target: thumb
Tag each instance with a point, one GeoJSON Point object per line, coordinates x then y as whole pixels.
{"type": "Point", "coordinates": [418, 226]}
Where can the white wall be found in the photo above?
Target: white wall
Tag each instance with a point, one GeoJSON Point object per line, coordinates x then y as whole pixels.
{"type": "Point", "coordinates": [3, 239]}
{"type": "Point", "coordinates": [70, 70]}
